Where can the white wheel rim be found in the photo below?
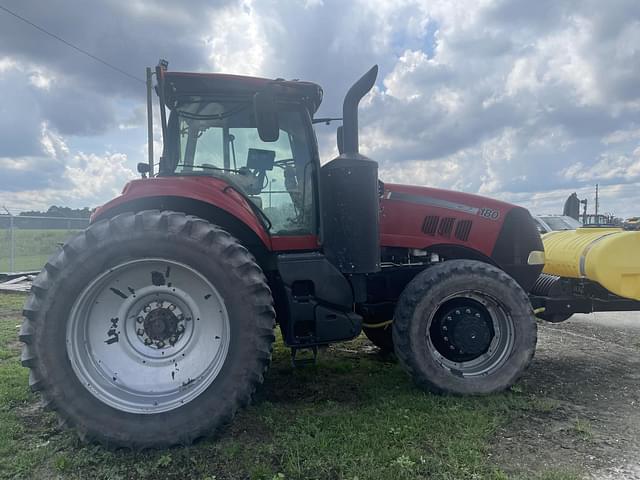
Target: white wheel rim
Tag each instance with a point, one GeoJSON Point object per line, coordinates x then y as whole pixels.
{"type": "Point", "coordinates": [148, 335]}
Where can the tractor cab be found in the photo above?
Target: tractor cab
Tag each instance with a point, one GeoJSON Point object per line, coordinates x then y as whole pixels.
{"type": "Point", "coordinates": [221, 126]}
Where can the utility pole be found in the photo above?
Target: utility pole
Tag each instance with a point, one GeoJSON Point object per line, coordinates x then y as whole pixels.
{"type": "Point", "coordinates": [12, 241]}
{"type": "Point", "coordinates": [150, 121]}
{"type": "Point", "coordinates": [597, 203]}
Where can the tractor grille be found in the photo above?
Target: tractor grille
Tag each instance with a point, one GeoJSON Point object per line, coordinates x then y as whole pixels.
{"type": "Point", "coordinates": [463, 228]}
{"type": "Point", "coordinates": [430, 224]}
{"type": "Point", "coordinates": [435, 225]}
{"type": "Point", "coordinates": [445, 227]}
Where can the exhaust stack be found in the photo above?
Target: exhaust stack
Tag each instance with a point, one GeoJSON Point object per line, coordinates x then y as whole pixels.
{"type": "Point", "coordinates": [350, 110]}
{"type": "Point", "coordinates": [349, 195]}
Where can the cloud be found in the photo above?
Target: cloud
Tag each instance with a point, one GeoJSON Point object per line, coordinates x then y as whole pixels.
{"type": "Point", "coordinates": [513, 97]}
{"type": "Point", "coordinates": [60, 176]}
{"type": "Point", "coordinates": [525, 101]}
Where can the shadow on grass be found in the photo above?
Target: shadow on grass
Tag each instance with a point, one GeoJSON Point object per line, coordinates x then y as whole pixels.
{"type": "Point", "coordinates": [354, 415]}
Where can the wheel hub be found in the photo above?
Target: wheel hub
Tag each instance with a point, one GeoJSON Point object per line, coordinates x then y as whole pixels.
{"type": "Point", "coordinates": [161, 324]}
{"type": "Point", "coordinates": [471, 333]}
{"type": "Point", "coordinates": [463, 332]}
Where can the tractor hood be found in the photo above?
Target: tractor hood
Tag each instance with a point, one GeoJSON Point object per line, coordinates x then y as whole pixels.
{"type": "Point", "coordinates": [425, 214]}
{"type": "Point", "coordinates": [451, 222]}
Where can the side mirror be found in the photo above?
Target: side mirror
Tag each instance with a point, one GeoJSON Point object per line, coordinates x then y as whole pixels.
{"type": "Point", "coordinates": [266, 113]}
{"type": "Point", "coordinates": [339, 139]}
{"type": "Point", "coordinates": [143, 169]}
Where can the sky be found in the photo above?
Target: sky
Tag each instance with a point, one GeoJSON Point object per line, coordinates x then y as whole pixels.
{"type": "Point", "coordinates": [513, 99]}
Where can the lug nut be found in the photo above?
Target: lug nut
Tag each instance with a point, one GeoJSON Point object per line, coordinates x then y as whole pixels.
{"type": "Point", "coordinates": [477, 315]}
{"type": "Point", "coordinates": [444, 328]}
{"type": "Point", "coordinates": [172, 307]}
{"type": "Point", "coordinates": [446, 339]}
{"type": "Point", "coordinates": [180, 328]}
{"type": "Point", "coordinates": [457, 312]}
{"type": "Point", "coordinates": [160, 344]}
{"type": "Point", "coordinates": [147, 341]}
{"type": "Point", "coordinates": [139, 319]}
{"type": "Point", "coordinates": [147, 308]}
{"type": "Point", "coordinates": [140, 332]}
{"type": "Point", "coordinates": [451, 347]}
{"type": "Point", "coordinates": [467, 310]}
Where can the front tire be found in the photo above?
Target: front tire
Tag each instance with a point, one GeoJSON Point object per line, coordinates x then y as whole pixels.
{"type": "Point", "coordinates": [464, 327]}
{"type": "Point", "coordinates": [148, 330]}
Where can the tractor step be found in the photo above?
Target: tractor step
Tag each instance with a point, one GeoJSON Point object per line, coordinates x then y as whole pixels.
{"type": "Point", "coordinates": [300, 362]}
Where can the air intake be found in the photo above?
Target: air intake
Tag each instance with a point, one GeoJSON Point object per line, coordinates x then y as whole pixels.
{"type": "Point", "coordinates": [445, 227]}
{"type": "Point", "coordinates": [463, 228]}
{"type": "Point", "coordinates": [430, 224]}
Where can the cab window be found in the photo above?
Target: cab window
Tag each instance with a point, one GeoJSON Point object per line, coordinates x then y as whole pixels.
{"type": "Point", "coordinates": [220, 139]}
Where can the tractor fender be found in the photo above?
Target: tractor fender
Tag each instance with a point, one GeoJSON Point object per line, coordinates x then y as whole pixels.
{"type": "Point", "coordinates": [451, 251]}
{"type": "Point", "coordinates": [206, 197]}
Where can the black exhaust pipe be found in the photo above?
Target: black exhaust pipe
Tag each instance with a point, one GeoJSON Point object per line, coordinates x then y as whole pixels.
{"type": "Point", "coordinates": [350, 204]}
{"type": "Point", "coordinates": [350, 109]}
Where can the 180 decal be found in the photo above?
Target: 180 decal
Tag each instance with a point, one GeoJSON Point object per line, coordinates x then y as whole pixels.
{"type": "Point", "coordinates": [489, 213]}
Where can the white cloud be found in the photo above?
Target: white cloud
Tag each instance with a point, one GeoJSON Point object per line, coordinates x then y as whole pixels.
{"type": "Point", "coordinates": [40, 80]}
{"type": "Point", "coordinates": [7, 63]}
{"type": "Point", "coordinates": [525, 101]}
{"type": "Point", "coordinates": [237, 43]}
{"type": "Point", "coordinates": [609, 167]}
{"type": "Point", "coordinates": [84, 179]}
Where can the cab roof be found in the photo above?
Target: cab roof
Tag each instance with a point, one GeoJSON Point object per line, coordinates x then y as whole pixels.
{"type": "Point", "coordinates": [182, 86]}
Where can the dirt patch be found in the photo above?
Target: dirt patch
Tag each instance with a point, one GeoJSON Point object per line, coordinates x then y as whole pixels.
{"type": "Point", "coordinates": [587, 374]}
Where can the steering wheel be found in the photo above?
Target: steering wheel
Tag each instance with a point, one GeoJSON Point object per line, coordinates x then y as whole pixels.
{"type": "Point", "coordinates": [284, 163]}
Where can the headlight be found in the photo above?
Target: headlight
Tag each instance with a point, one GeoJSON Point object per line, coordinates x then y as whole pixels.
{"type": "Point", "coordinates": [536, 257]}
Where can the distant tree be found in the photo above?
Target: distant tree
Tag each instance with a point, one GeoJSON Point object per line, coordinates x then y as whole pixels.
{"type": "Point", "coordinates": [58, 212]}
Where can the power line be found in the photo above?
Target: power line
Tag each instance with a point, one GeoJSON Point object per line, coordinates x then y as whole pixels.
{"type": "Point", "coordinates": [69, 44]}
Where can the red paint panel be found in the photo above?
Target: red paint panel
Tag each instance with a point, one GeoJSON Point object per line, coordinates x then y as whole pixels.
{"type": "Point", "coordinates": [297, 242]}
{"type": "Point", "coordinates": [402, 219]}
{"type": "Point", "coordinates": [205, 189]}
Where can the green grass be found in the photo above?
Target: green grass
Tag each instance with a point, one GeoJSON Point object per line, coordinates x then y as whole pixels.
{"type": "Point", "coordinates": [583, 429]}
{"type": "Point", "coordinates": [354, 416]}
{"type": "Point", "coordinates": [32, 248]}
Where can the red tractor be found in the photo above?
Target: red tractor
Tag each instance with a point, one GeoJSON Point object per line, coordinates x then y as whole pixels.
{"type": "Point", "coordinates": [155, 325]}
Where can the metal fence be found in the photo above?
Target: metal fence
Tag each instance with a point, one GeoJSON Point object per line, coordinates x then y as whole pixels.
{"type": "Point", "coordinates": [26, 242]}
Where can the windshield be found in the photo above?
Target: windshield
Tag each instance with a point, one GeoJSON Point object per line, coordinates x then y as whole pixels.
{"type": "Point", "coordinates": [220, 139]}
{"type": "Point", "coordinates": [561, 223]}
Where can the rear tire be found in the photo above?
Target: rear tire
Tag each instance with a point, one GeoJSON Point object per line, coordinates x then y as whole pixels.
{"type": "Point", "coordinates": [464, 327]}
{"type": "Point", "coordinates": [90, 353]}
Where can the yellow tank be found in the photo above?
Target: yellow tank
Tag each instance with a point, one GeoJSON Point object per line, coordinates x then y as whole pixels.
{"type": "Point", "coordinates": [609, 256]}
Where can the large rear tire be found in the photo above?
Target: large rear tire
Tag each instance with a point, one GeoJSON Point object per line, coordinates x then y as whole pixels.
{"type": "Point", "coordinates": [148, 330]}
{"type": "Point", "coordinates": [464, 327]}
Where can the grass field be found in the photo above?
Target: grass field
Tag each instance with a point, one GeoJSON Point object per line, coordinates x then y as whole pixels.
{"type": "Point", "coordinates": [32, 248]}
{"type": "Point", "coordinates": [354, 416]}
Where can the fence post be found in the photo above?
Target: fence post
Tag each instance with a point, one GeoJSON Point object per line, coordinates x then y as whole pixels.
{"type": "Point", "coordinates": [12, 244]}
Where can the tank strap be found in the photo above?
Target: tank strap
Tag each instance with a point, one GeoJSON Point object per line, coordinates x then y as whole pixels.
{"type": "Point", "coordinates": [585, 252]}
